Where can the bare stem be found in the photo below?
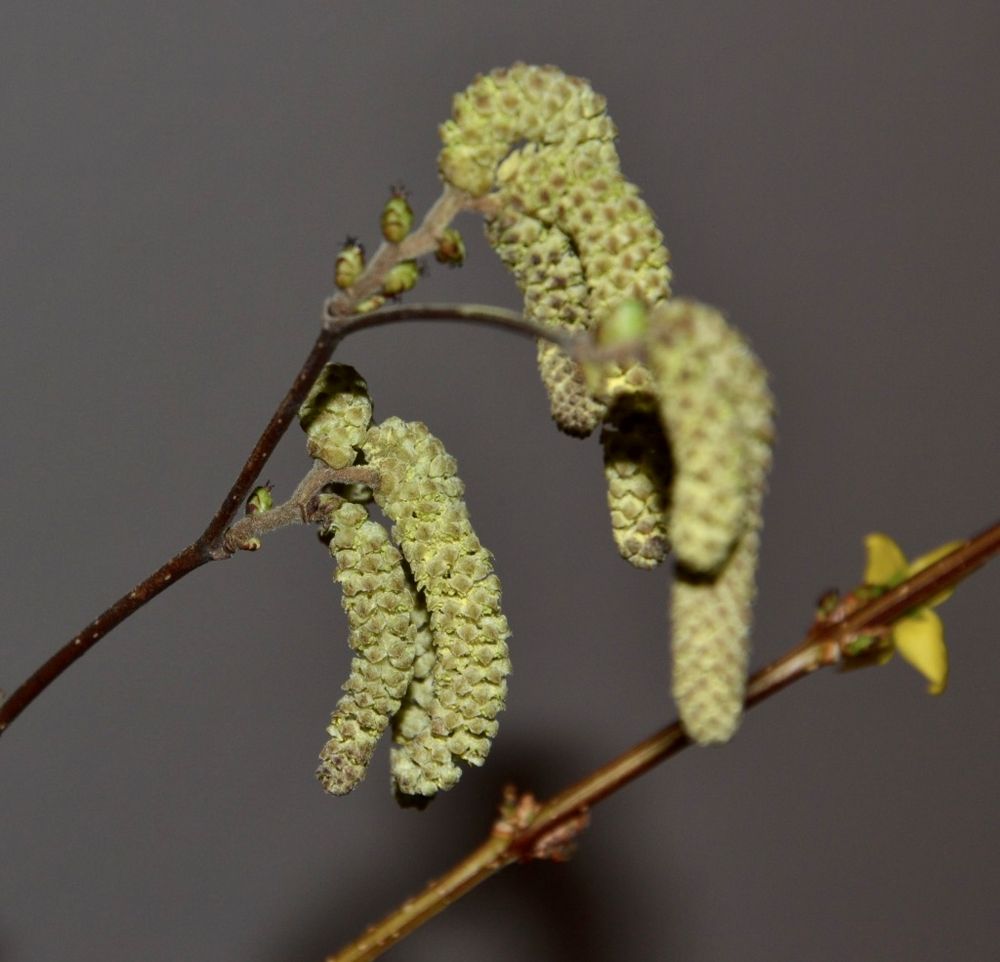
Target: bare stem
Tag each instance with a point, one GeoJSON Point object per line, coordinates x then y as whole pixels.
{"type": "Point", "coordinates": [529, 830]}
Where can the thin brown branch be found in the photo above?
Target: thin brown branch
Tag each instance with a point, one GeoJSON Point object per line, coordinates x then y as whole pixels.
{"type": "Point", "coordinates": [528, 830]}
{"type": "Point", "coordinates": [211, 545]}
{"type": "Point", "coordinates": [482, 314]}
{"type": "Point", "coordinates": [246, 533]}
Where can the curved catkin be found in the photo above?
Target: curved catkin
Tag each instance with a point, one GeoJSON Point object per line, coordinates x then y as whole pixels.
{"type": "Point", "coordinates": [718, 411]}
{"type": "Point", "coordinates": [638, 471]}
{"type": "Point", "coordinates": [714, 405]}
{"type": "Point", "coordinates": [419, 491]}
{"type": "Point", "coordinates": [335, 415]}
{"type": "Point", "coordinates": [566, 180]}
{"type": "Point", "coordinates": [379, 604]}
{"type": "Point", "coordinates": [507, 105]}
{"type": "Point", "coordinates": [420, 764]}
{"type": "Point", "coordinates": [548, 272]}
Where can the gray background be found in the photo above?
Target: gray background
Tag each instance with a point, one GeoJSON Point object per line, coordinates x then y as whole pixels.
{"type": "Point", "coordinates": [177, 178]}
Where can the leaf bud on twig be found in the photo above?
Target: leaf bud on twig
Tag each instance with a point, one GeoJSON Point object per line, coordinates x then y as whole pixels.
{"type": "Point", "coordinates": [450, 248]}
{"type": "Point", "coordinates": [349, 264]}
{"type": "Point", "coordinates": [397, 216]}
{"type": "Point", "coordinates": [402, 277]}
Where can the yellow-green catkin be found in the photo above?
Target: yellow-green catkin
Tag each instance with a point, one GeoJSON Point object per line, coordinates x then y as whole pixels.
{"type": "Point", "coordinates": [419, 491]}
{"type": "Point", "coordinates": [421, 765]}
{"type": "Point", "coordinates": [566, 180]}
{"type": "Point", "coordinates": [548, 272]}
{"type": "Point", "coordinates": [379, 604]}
{"type": "Point", "coordinates": [522, 102]}
{"type": "Point", "coordinates": [335, 415]}
{"type": "Point", "coordinates": [718, 412]}
{"type": "Point", "coordinates": [638, 471]}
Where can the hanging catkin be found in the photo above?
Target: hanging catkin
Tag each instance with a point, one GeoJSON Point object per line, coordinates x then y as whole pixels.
{"type": "Point", "coordinates": [717, 410]}
{"type": "Point", "coordinates": [379, 603]}
{"type": "Point", "coordinates": [420, 492]}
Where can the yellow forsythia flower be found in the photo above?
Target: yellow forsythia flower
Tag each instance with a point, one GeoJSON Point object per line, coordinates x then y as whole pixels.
{"type": "Point", "coordinates": [919, 635]}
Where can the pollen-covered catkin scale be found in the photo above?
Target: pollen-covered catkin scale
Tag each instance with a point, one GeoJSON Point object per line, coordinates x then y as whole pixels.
{"type": "Point", "coordinates": [335, 415]}
{"type": "Point", "coordinates": [379, 602]}
{"type": "Point", "coordinates": [421, 493]}
{"type": "Point", "coordinates": [717, 408]}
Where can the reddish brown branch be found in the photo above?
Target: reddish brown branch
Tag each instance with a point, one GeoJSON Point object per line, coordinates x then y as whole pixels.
{"type": "Point", "coordinates": [527, 829]}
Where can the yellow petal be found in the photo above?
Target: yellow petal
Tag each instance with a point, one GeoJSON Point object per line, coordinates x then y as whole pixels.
{"type": "Point", "coordinates": [919, 639]}
{"type": "Point", "coordinates": [926, 560]}
{"type": "Point", "coordinates": [885, 560]}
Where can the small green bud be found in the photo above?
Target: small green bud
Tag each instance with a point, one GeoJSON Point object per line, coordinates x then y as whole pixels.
{"type": "Point", "coordinates": [251, 544]}
{"type": "Point", "coordinates": [350, 263]}
{"type": "Point", "coordinates": [260, 499]}
{"type": "Point", "coordinates": [397, 216]}
{"type": "Point", "coordinates": [627, 322]}
{"type": "Point", "coordinates": [450, 248]}
{"type": "Point", "coordinates": [403, 277]}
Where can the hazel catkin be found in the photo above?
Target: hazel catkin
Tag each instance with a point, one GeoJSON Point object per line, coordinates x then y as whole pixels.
{"type": "Point", "coordinates": [335, 415]}
{"type": "Point", "coordinates": [420, 492]}
{"type": "Point", "coordinates": [718, 411]}
{"type": "Point", "coordinates": [379, 604]}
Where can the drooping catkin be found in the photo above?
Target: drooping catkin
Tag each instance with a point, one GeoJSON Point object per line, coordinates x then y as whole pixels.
{"type": "Point", "coordinates": [564, 189]}
{"type": "Point", "coordinates": [335, 415]}
{"type": "Point", "coordinates": [548, 272]}
{"type": "Point", "coordinates": [420, 764]}
{"type": "Point", "coordinates": [718, 412]}
{"type": "Point", "coordinates": [566, 177]}
{"type": "Point", "coordinates": [420, 492]}
{"type": "Point", "coordinates": [638, 471]}
{"type": "Point", "coordinates": [379, 603]}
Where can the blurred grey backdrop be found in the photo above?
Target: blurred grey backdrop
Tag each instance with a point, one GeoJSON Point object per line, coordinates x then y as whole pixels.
{"type": "Point", "coordinates": [176, 180]}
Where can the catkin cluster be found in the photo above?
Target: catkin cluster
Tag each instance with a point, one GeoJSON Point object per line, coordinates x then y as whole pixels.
{"type": "Point", "coordinates": [687, 437]}
{"type": "Point", "coordinates": [425, 624]}
{"type": "Point", "coordinates": [579, 240]}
